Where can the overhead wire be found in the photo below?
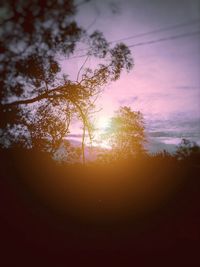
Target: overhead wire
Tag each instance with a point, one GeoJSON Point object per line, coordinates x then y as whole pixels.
{"type": "Point", "coordinates": [171, 27]}
{"type": "Point", "coordinates": [172, 37]}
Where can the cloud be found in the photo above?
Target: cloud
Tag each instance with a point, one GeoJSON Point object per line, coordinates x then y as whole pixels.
{"type": "Point", "coordinates": [164, 84]}
{"type": "Point", "coordinates": [128, 101]}
{"type": "Point", "coordinates": [75, 135]}
{"type": "Point", "coordinates": [188, 87]}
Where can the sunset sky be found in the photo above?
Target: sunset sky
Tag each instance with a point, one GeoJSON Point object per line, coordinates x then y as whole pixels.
{"type": "Point", "coordinates": [164, 83]}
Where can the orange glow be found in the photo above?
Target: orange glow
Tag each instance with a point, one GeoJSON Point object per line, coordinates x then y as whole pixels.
{"type": "Point", "coordinates": [103, 193]}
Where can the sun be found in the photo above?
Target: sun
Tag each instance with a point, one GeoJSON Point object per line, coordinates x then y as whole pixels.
{"type": "Point", "coordinates": [102, 123]}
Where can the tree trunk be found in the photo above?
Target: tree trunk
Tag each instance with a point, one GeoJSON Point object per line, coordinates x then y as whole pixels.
{"type": "Point", "coordinates": [83, 144]}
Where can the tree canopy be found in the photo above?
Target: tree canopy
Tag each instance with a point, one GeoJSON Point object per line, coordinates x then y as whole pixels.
{"type": "Point", "coordinates": [188, 150]}
{"type": "Point", "coordinates": [125, 133]}
{"type": "Point", "coordinates": [37, 95]}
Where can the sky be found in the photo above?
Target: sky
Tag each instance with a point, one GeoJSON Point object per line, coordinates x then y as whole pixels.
{"type": "Point", "coordinates": [165, 82]}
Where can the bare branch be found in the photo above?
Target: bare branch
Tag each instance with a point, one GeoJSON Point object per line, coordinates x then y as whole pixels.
{"type": "Point", "coordinates": [82, 67]}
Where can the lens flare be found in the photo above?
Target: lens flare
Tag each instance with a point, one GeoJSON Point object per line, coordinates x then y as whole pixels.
{"type": "Point", "coordinates": [102, 123]}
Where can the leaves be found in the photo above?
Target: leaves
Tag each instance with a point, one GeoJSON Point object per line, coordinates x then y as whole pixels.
{"type": "Point", "coordinates": [120, 58]}
{"type": "Point", "coordinates": [126, 132]}
{"type": "Point", "coordinates": [98, 45]}
{"type": "Point", "coordinates": [188, 150]}
{"type": "Point", "coordinates": [34, 36]}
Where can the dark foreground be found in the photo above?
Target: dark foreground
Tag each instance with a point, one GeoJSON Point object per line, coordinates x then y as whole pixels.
{"type": "Point", "coordinates": [139, 213]}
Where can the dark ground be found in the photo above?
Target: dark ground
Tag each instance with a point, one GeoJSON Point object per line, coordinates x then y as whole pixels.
{"type": "Point", "coordinates": [138, 213]}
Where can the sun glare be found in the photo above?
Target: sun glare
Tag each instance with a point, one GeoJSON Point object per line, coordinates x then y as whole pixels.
{"type": "Point", "coordinates": [102, 123]}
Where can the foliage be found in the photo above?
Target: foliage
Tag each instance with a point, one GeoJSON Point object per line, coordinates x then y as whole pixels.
{"type": "Point", "coordinates": [34, 36]}
{"type": "Point", "coordinates": [125, 133]}
{"type": "Point", "coordinates": [188, 150]}
{"type": "Point", "coordinates": [49, 125]}
{"type": "Point", "coordinates": [67, 153]}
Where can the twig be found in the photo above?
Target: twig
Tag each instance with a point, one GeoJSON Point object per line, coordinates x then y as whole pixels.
{"type": "Point", "coordinates": [82, 68]}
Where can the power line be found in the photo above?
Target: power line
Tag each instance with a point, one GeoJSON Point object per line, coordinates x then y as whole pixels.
{"type": "Point", "coordinates": [172, 37]}
{"type": "Point", "coordinates": [171, 27]}
{"type": "Point", "coordinates": [195, 21]}
{"type": "Point", "coordinates": [92, 23]}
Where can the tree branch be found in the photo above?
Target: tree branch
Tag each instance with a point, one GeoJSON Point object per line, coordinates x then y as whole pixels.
{"type": "Point", "coordinates": [46, 95]}
{"type": "Point", "coordinates": [82, 68]}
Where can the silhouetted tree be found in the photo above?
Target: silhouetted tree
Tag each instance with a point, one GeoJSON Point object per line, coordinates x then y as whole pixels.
{"type": "Point", "coordinates": [49, 125]}
{"type": "Point", "coordinates": [126, 133]}
{"type": "Point", "coordinates": [188, 150]}
{"type": "Point", "coordinates": [67, 153]}
{"type": "Point", "coordinates": [34, 36]}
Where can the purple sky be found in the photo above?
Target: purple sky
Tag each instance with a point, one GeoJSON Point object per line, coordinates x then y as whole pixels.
{"type": "Point", "coordinates": [165, 82]}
